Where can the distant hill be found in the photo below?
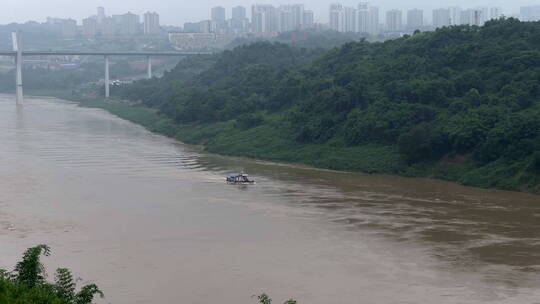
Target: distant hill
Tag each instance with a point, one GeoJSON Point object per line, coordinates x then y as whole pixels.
{"type": "Point", "coordinates": [461, 103]}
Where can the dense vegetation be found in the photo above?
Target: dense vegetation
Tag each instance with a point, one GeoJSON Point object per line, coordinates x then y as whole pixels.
{"type": "Point", "coordinates": [461, 103]}
{"type": "Point", "coordinates": [26, 284]}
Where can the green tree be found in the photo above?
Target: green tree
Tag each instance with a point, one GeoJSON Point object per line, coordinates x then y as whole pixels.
{"type": "Point", "coordinates": [264, 299]}
{"type": "Point", "coordinates": [29, 271]}
{"type": "Point", "coordinates": [65, 285]}
{"type": "Point", "coordinates": [87, 293]}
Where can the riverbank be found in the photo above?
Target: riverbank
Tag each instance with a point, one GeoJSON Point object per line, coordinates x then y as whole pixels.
{"type": "Point", "coordinates": [271, 141]}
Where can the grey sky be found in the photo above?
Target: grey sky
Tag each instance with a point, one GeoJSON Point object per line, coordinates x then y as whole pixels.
{"type": "Point", "coordinates": [176, 12]}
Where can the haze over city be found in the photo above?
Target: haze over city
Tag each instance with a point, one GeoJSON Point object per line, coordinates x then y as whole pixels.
{"type": "Point", "coordinates": [177, 12]}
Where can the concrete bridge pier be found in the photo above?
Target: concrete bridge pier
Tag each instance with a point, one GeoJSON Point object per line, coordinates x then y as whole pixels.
{"type": "Point", "coordinates": [17, 47]}
{"type": "Point", "coordinates": [107, 80]}
{"type": "Point", "coordinates": [149, 67]}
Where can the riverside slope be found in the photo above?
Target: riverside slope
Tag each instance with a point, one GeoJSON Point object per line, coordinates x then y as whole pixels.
{"type": "Point", "coordinates": [216, 138]}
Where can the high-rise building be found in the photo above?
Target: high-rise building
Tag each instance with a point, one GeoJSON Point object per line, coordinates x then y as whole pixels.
{"type": "Point", "coordinates": [218, 19]}
{"type": "Point", "coordinates": [350, 19]}
{"type": "Point", "coordinates": [264, 19]}
{"type": "Point", "coordinates": [455, 15]}
{"type": "Point", "coordinates": [238, 13]}
{"type": "Point", "coordinates": [108, 28]}
{"type": "Point", "coordinates": [151, 23]}
{"type": "Point", "coordinates": [364, 18]}
{"type": "Point", "coordinates": [471, 17]}
{"type": "Point", "coordinates": [127, 24]}
{"type": "Point", "coordinates": [484, 15]}
{"type": "Point", "coordinates": [69, 28]}
{"type": "Point", "coordinates": [284, 19]}
{"type": "Point", "coordinates": [441, 17]}
{"type": "Point", "coordinates": [415, 19]}
{"type": "Point", "coordinates": [530, 13]}
{"type": "Point", "coordinates": [394, 20]}
{"type": "Point", "coordinates": [239, 21]}
{"type": "Point", "coordinates": [367, 19]}
{"type": "Point", "coordinates": [100, 15]}
{"type": "Point", "coordinates": [309, 19]}
{"type": "Point", "coordinates": [343, 18]}
{"type": "Point", "coordinates": [290, 17]}
{"type": "Point", "coordinates": [205, 26]}
{"type": "Point", "coordinates": [218, 14]}
{"type": "Point", "coordinates": [495, 13]}
{"type": "Point", "coordinates": [337, 17]}
{"type": "Point", "coordinates": [89, 27]}
{"type": "Point", "coordinates": [374, 16]}
{"type": "Point", "coordinates": [117, 20]}
{"type": "Point", "coordinates": [297, 15]}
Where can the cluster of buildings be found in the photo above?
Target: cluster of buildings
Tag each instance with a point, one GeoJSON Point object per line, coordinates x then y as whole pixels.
{"type": "Point", "coordinates": [364, 19]}
{"type": "Point", "coordinates": [265, 20]}
{"type": "Point", "coordinates": [367, 18]}
{"type": "Point", "coordinates": [268, 21]}
{"type": "Point", "coordinates": [101, 25]}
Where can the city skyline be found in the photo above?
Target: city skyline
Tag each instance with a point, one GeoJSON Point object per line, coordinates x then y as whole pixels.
{"type": "Point", "coordinates": [176, 14]}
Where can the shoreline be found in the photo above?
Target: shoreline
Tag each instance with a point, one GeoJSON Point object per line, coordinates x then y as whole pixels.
{"type": "Point", "coordinates": [214, 138]}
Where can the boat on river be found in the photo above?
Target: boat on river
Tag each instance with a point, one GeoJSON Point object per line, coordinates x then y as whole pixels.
{"type": "Point", "coordinates": [239, 179]}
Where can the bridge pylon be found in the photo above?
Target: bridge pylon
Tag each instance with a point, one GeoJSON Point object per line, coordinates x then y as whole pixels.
{"type": "Point", "coordinates": [107, 80]}
{"type": "Point", "coordinates": [17, 47]}
{"type": "Point", "coordinates": [149, 67]}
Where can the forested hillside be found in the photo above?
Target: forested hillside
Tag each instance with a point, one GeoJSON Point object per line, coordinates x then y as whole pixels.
{"type": "Point", "coordinates": [461, 103]}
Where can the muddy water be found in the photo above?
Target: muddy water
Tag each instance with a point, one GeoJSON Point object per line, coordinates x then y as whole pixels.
{"type": "Point", "coordinates": [152, 221]}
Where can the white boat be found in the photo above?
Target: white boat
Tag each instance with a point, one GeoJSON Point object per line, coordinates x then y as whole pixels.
{"type": "Point", "coordinates": [239, 179]}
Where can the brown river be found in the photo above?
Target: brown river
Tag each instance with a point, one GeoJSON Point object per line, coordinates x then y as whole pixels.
{"type": "Point", "coordinates": [151, 220]}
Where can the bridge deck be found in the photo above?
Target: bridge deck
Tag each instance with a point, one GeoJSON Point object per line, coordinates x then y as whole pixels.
{"type": "Point", "coordinates": [76, 53]}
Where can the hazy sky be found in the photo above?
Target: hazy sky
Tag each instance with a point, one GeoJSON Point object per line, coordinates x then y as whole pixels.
{"type": "Point", "coordinates": [176, 12]}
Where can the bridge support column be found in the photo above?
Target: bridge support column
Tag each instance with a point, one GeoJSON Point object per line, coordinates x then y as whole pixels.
{"type": "Point", "coordinates": [107, 80]}
{"type": "Point", "coordinates": [17, 47]}
{"type": "Point", "coordinates": [149, 67]}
